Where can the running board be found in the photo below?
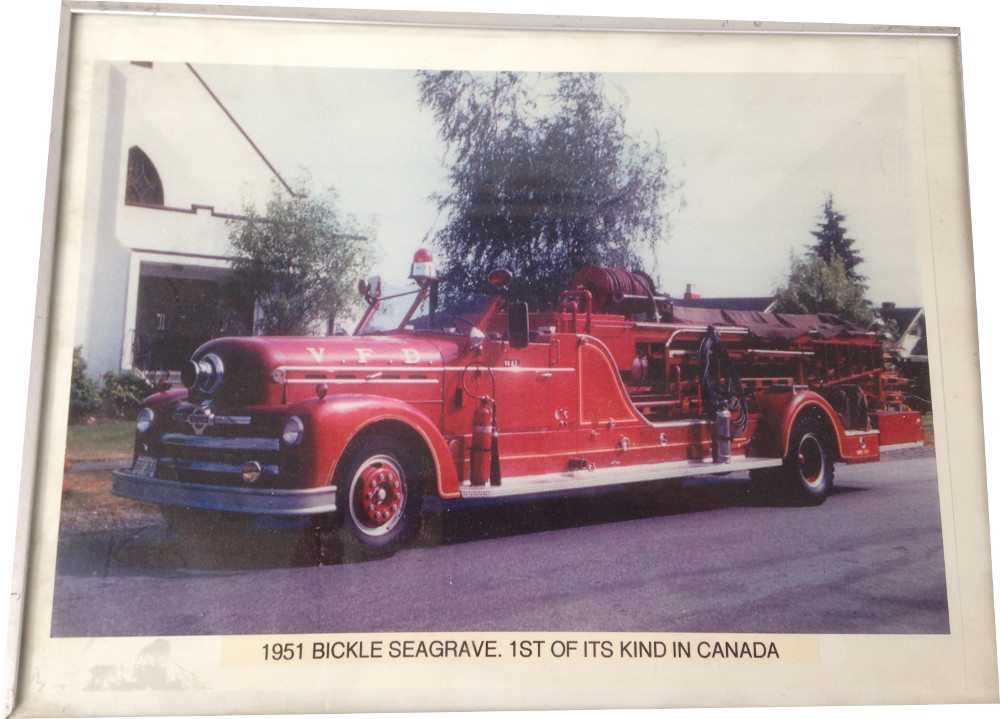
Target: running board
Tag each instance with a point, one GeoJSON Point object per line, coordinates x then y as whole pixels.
{"type": "Point", "coordinates": [584, 479]}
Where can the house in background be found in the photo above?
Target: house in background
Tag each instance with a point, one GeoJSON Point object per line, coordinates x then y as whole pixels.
{"type": "Point", "coordinates": [907, 329]}
{"type": "Point", "coordinates": [167, 166]}
{"type": "Point", "coordinates": [746, 304]}
{"type": "Point", "coordinates": [909, 339]}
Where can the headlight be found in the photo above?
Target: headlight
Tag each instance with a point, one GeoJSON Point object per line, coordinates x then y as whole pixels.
{"type": "Point", "coordinates": [294, 429]}
{"type": "Point", "coordinates": [144, 421]}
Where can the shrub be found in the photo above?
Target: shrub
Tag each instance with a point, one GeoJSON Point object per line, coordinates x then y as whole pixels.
{"type": "Point", "coordinates": [84, 394]}
{"type": "Point", "coordinates": [123, 391]}
{"type": "Point", "coordinates": [119, 398]}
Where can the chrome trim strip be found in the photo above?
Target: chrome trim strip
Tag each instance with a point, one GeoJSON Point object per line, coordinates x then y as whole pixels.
{"type": "Point", "coordinates": [904, 445]}
{"type": "Point", "coordinates": [583, 479]}
{"type": "Point", "coordinates": [362, 380]}
{"type": "Point", "coordinates": [249, 500]}
{"type": "Point", "coordinates": [185, 415]}
{"type": "Point", "coordinates": [401, 368]}
{"type": "Point", "coordinates": [520, 368]}
{"type": "Point", "coordinates": [612, 450]}
{"type": "Point", "coordinates": [250, 444]}
{"type": "Point", "coordinates": [368, 369]}
{"type": "Point", "coordinates": [779, 352]}
{"type": "Point", "coordinates": [693, 329]}
{"type": "Point", "coordinates": [684, 423]}
{"type": "Point", "coordinates": [216, 467]}
{"type": "Point", "coordinates": [224, 419]}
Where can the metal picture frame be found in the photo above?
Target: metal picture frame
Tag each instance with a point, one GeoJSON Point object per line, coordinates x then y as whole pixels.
{"type": "Point", "coordinates": [53, 670]}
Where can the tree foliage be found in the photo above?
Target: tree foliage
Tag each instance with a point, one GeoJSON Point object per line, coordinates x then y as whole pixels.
{"type": "Point", "coordinates": [825, 280]}
{"type": "Point", "coordinates": [832, 241]}
{"type": "Point", "coordinates": [123, 391]}
{"type": "Point", "coordinates": [545, 179]}
{"type": "Point", "coordinates": [818, 285]}
{"type": "Point", "coordinates": [299, 261]}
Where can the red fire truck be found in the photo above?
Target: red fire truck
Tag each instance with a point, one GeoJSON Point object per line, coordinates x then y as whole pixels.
{"type": "Point", "coordinates": [459, 396]}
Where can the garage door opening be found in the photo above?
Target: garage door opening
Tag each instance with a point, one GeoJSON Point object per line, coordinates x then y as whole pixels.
{"type": "Point", "coordinates": [179, 308]}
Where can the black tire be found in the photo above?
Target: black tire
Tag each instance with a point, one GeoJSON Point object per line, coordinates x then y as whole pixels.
{"type": "Point", "coordinates": [808, 469]}
{"type": "Point", "coordinates": [379, 497]}
{"type": "Point", "coordinates": [205, 524]}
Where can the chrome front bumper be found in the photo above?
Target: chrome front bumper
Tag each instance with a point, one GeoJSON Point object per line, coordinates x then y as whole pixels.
{"type": "Point", "coordinates": [249, 500]}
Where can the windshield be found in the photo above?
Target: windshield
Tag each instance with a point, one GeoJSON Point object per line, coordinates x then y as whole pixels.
{"type": "Point", "coordinates": [456, 312]}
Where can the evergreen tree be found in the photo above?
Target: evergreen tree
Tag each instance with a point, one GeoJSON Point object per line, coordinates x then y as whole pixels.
{"type": "Point", "coordinates": [825, 280]}
{"type": "Point", "coordinates": [832, 241]}
{"type": "Point", "coordinates": [545, 179]}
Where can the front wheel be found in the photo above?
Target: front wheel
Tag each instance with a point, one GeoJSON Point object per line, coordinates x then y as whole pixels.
{"type": "Point", "coordinates": [808, 469]}
{"type": "Point", "coordinates": [379, 493]}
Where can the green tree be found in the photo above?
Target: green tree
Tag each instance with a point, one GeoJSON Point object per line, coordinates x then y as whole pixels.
{"type": "Point", "coordinates": [819, 285]}
{"type": "Point", "coordinates": [545, 179]}
{"type": "Point", "coordinates": [299, 261]}
{"type": "Point", "coordinates": [826, 279]}
{"type": "Point", "coordinates": [832, 241]}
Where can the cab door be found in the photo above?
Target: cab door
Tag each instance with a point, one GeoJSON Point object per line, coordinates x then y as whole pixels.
{"type": "Point", "coordinates": [537, 403]}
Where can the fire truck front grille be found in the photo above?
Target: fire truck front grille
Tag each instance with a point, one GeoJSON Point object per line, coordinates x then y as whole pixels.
{"type": "Point", "coordinates": [214, 473]}
{"type": "Point", "coordinates": [219, 460]}
{"type": "Point", "coordinates": [222, 444]}
{"type": "Point", "coordinates": [202, 422]}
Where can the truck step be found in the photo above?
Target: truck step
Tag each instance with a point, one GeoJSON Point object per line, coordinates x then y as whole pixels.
{"type": "Point", "coordinates": [581, 479]}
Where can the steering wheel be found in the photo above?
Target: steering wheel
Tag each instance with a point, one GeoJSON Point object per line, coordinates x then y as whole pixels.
{"type": "Point", "coordinates": [459, 319]}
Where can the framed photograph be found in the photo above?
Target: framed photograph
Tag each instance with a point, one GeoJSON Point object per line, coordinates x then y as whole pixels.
{"type": "Point", "coordinates": [411, 361]}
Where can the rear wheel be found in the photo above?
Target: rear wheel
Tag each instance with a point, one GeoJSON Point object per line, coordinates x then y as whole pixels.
{"type": "Point", "coordinates": [379, 495]}
{"type": "Point", "coordinates": [808, 469]}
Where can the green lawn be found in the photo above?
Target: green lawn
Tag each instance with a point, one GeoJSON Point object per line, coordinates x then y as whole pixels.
{"type": "Point", "coordinates": [106, 439]}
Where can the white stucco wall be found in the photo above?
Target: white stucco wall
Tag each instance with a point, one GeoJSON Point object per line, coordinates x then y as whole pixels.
{"type": "Point", "coordinates": [199, 153]}
{"type": "Point", "coordinates": [202, 159]}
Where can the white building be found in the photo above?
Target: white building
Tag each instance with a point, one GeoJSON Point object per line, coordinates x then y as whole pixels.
{"type": "Point", "coordinates": [167, 166]}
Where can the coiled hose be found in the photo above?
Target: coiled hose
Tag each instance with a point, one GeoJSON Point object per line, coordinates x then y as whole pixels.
{"type": "Point", "coordinates": [728, 393]}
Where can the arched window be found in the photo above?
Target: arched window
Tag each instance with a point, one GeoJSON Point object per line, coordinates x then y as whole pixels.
{"type": "Point", "coordinates": [143, 185]}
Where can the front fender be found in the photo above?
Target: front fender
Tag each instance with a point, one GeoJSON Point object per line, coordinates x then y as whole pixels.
{"type": "Point", "coordinates": [162, 403]}
{"type": "Point", "coordinates": [161, 399]}
{"type": "Point", "coordinates": [333, 423]}
{"type": "Point", "coordinates": [779, 411]}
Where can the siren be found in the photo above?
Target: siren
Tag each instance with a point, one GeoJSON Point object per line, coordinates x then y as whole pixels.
{"type": "Point", "coordinates": [423, 265]}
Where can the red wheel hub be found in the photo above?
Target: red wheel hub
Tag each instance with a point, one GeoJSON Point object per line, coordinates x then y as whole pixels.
{"type": "Point", "coordinates": [378, 494]}
{"type": "Point", "coordinates": [811, 464]}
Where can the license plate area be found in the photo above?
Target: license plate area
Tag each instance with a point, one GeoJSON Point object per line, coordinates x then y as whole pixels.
{"type": "Point", "coordinates": [145, 467]}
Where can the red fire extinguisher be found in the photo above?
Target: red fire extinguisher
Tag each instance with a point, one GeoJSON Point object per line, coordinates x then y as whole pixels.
{"type": "Point", "coordinates": [482, 443]}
